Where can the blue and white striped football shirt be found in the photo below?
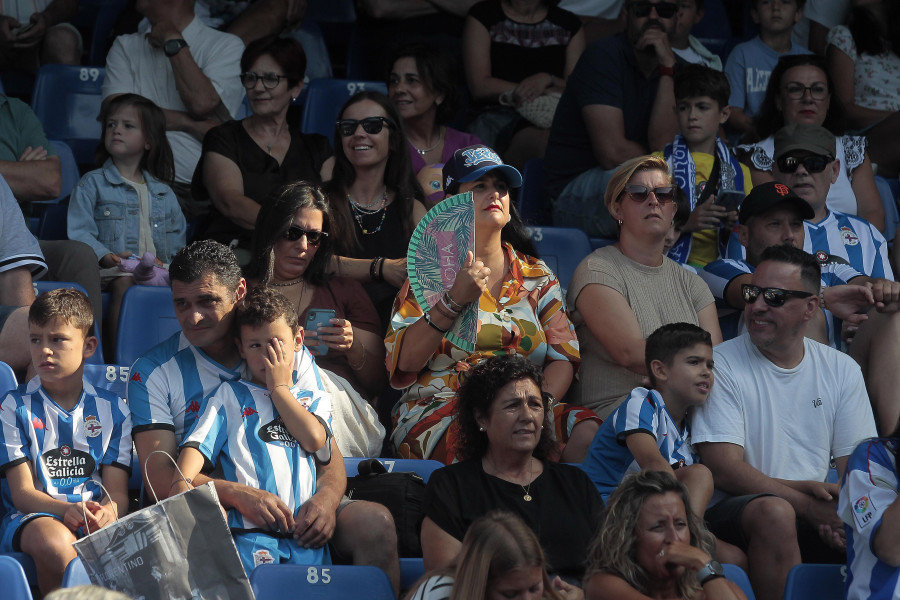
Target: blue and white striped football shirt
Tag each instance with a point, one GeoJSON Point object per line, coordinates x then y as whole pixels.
{"type": "Point", "coordinates": [853, 239]}
{"type": "Point", "coordinates": [609, 458]}
{"type": "Point", "coordinates": [66, 448]}
{"type": "Point", "coordinates": [168, 384]}
{"type": "Point", "coordinates": [869, 488]}
{"type": "Point", "coordinates": [240, 429]}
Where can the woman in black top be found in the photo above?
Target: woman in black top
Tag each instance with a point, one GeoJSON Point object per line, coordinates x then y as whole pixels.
{"type": "Point", "coordinates": [244, 161]}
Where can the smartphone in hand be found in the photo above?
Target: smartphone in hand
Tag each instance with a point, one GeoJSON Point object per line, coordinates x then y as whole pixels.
{"type": "Point", "coordinates": [319, 317]}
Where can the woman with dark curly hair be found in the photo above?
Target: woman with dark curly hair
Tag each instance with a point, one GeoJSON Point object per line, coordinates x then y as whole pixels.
{"type": "Point", "coordinates": [800, 91]}
{"type": "Point", "coordinates": [505, 439]}
{"type": "Point", "coordinates": [651, 545]}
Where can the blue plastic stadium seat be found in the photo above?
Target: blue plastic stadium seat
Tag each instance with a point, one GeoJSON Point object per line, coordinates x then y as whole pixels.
{"type": "Point", "coordinates": [7, 378]}
{"type": "Point", "coordinates": [411, 569]}
{"type": "Point", "coordinates": [325, 99]}
{"type": "Point", "coordinates": [423, 468]}
{"type": "Point", "coordinates": [146, 319]}
{"type": "Point", "coordinates": [532, 204]}
{"type": "Point", "coordinates": [67, 101]}
{"type": "Point", "coordinates": [331, 582]}
{"type": "Point", "coordinates": [815, 582]}
{"type": "Point", "coordinates": [42, 286]}
{"type": "Point", "coordinates": [737, 575]}
{"type": "Point", "coordinates": [75, 574]}
{"type": "Point", "coordinates": [13, 576]}
{"type": "Point", "coordinates": [562, 248]}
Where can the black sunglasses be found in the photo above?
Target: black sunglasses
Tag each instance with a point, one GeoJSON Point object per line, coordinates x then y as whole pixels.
{"type": "Point", "coordinates": [774, 297]}
{"type": "Point", "coordinates": [270, 80]}
{"type": "Point", "coordinates": [813, 164]}
{"type": "Point", "coordinates": [373, 125]}
{"type": "Point", "coordinates": [313, 238]}
{"type": "Point", "coordinates": [665, 10]}
{"type": "Point", "coordinates": [639, 193]}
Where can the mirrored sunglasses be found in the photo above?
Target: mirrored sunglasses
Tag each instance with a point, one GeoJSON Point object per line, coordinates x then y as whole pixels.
{"type": "Point", "coordinates": [813, 164]}
{"type": "Point", "coordinates": [774, 297]}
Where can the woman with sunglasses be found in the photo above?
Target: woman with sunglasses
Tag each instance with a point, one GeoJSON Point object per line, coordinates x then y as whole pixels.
{"type": "Point", "coordinates": [520, 311]}
{"type": "Point", "coordinates": [245, 161]}
{"type": "Point", "coordinates": [800, 91]}
{"type": "Point", "coordinates": [292, 252]}
{"type": "Point", "coordinates": [374, 196]}
{"type": "Point", "coordinates": [622, 293]}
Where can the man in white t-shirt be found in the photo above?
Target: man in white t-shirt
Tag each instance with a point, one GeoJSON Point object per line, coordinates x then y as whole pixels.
{"type": "Point", "coordinates": [782, 406]}
{"type": "Point", "coordinates": [186, 68]}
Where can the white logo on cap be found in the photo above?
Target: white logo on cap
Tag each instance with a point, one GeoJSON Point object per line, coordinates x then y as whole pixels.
{"type": "Point", "coordinates": [475, 156]}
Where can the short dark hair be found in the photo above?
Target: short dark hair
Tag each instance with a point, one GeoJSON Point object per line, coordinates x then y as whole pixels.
{"type": "Point", "coordinates": [670, 339]}
{"type": "Point", "coordinates": [438, 71]}
{"type": "Point", "coordinates": [692, 81]}
{"type": "Point", "coordinates": [206, 256]}
{"type": "Point", "coordinates": [479, 390]}
{"type": "Point", "coordinates": [67, 304]}
{"type": "Point", "coordinates": [263, 305]}
{"type": "Point", "coordinates": [276, 217]}
{"type": "Point", "coordinates": [287, 52]}
{"type": "Point", "coordinates": [810, 271]}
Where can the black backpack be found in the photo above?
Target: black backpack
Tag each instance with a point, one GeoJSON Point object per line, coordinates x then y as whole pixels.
{"type": "Point", "coordinates": [401, 493]}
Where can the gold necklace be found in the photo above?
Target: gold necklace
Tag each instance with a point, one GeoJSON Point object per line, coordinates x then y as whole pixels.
{"type": "Point", "coordinates": [527, 489]}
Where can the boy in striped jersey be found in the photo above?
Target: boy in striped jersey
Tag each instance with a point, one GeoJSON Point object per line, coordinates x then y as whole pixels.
{"type": "Point", "coordinates": [650, 430]}
{"type": "Point", "coordinates": [60, 439]}
{"type": "Point", "coordinates": [264, 432]}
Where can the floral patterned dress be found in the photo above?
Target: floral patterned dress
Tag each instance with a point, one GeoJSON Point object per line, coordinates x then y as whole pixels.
{"type": "Point", "coordinates": [528, 318]}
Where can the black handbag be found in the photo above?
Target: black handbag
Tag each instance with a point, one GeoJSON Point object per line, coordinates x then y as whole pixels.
{"type": "Point", "coordinates": [401, 493]}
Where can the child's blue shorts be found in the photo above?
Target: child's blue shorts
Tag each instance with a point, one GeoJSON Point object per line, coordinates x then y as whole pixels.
{"type": "Point", "coordinates": [11, 529]}
{"type": "Point", "coordinates": [263, 549]}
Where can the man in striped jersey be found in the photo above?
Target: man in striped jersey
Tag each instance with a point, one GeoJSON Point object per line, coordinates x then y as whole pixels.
{"type": "Point", "coordinates": [263, 432]}
{"type": "Point", "coordinates": [60, 439]}
{"type": "Point", "coordinates": [805, 162]}
{"type": "Point", "coordinates": [772, 214]}
{"type": "Point", "coordinates": [168, 384]}
{"type": "Point", "coordinates": [870, 509]}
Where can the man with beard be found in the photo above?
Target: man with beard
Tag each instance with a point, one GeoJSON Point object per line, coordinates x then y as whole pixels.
{"type": "Point", "coordinates": [618, 104]}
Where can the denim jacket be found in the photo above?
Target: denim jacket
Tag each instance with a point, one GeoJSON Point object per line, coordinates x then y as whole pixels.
{"type": "Point", "coordinates": [104, 213]}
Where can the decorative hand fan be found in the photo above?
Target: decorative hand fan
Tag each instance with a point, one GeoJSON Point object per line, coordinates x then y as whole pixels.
{"type": "Point", "coordinates": [437, 251]}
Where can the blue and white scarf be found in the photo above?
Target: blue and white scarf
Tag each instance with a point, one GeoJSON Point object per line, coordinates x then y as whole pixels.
{"type": "Point", "coordinates": [681, 164]}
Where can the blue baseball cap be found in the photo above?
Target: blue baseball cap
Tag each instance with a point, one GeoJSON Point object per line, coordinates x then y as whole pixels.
{"type": "Point", "coordinates": [470, 163]}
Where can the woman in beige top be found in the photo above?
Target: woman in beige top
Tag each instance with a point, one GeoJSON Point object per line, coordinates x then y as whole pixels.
{"type": "Point", "coordinates": [623, 292]}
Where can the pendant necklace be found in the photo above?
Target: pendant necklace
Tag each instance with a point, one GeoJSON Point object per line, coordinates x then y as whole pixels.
{"type": "Point", "coordinates": [527, 489]}
{"type": "Point", "coordinates": [367, 211]}
{"type": "Point", "coordinates": [427, 150]}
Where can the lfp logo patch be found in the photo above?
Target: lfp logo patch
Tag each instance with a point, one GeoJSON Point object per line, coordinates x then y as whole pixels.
{"type": "Point", "coordinates": [863, 512]}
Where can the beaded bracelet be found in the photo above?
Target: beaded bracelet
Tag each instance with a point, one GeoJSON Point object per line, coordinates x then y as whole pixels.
{"type": "Point", "coordinates": [433, 325]}
{"type": "Point", "coordinates": [454, 305]}
{"type": "Point", "coordinates": [447, 305]}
